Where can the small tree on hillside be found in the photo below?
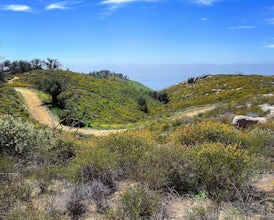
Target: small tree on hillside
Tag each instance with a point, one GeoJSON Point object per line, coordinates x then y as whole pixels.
{"type": "Point", "coordinates": [2, 73]}
{"type": "Point", "coordinates": [2, 77]}
{"type": "Point", "coordinates": [52, 85]}
{"type": "Point", "coordinates": [143, 104]}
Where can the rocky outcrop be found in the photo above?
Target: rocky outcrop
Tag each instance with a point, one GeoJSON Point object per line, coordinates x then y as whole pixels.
{"type": "Point", "coordinates": [243, 121]}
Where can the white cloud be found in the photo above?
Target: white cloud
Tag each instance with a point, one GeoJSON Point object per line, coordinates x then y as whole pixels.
{"type": "Point", "coordinates": [115, 2]}
{"type": "Point", "coordinates": [55, 6]}
{"type": "Point", "coordinates": [112, 5]}
{"type": "Point", "coordinates": [61, 5]}
{"type": "Point", "coordinates": [270, 21]}
{"type": "Point", "coordinates": [23, 8]}
{"type": "Point", "coordinates": [269, 46]}
{"type": "Point", "coordinates": [204, 19]}
{"type": "Point", "coordinates": [242, 27]}
{"type": "Point", "coordinates": [202, 2]}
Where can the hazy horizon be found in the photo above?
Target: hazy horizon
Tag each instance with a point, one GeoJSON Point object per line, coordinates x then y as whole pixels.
{"type": "Point", "coordinates": [161, 76]}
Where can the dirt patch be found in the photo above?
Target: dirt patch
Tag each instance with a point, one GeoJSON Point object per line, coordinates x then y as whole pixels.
{"type": "Point", "coordinates": [191, 208]}
{"type": "Point", "coordinates": [265, 183]}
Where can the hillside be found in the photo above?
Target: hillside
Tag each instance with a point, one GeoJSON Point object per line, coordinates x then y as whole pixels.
{"type": "Point", "coordinates": [232, 92]}
{"type": "Point", "coordinates": [11, 102]}
{"type": "Point", "coordinates": [186, 161]}
{"type": "Point", "coordinates": [99, 102]}
{"type": "Point", "coordinates": [113, 102]}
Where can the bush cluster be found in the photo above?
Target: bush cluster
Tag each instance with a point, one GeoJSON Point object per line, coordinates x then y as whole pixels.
{"type": "Point", "coordinates": [205, 131]}
{"type": "Point", "coordinates": [138, 202]}
{"type": "Point", "coordinates": [127, 148]}
{"type": "Point", "coordinates": [29, 144]}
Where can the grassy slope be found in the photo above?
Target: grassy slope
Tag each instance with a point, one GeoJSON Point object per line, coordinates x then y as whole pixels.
{"type": "Point", "coordinates": [11, 102]}
{"type": "Point", "coordinates": [233, 88]}
{"type": "Point", "coordinates": [112, 102]}
{"type": "Point", "coordinates": [105, 102]}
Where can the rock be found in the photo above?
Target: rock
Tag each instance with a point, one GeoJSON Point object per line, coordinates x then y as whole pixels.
{"type": "Point", "coordinates": [243, 121]}
{"type": "Point", "coordinates": [268, 108]}
{"type": "Point", "coordinates": [217, 90]}
{"type": "Point", "coordinates": [268, 95]}
{"type": "Point", "coordinates": [188, 95]}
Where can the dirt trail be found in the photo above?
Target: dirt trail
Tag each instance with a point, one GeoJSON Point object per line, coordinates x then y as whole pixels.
{"type": "Point", "coordinates": [41, 113]}
{"type": "Point", "coordinates": [193, 112]}
{"type": "Point", "coordinates": [11, 80]}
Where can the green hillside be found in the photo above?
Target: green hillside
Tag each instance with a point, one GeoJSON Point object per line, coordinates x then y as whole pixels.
{"type": "Point", "coordinates": [11, 102]}
{"type": "Point", "coordinates": [115, 102]}
{"type": "Point", "coordinates": [218, 89]}
{"type": "Point", "coordinates": [99, 102]}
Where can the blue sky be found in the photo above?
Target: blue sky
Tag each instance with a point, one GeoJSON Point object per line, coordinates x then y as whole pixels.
{"type": "Point", "coordinates": [157, 42]}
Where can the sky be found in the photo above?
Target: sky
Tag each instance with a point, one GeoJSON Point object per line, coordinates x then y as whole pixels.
{"type": "Point", "coordinates": [156, 42]}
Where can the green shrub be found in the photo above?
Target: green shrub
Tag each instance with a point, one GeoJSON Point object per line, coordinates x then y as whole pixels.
{"type": "Point", "coordinates": [91, 174]}
{"type": "Point", "coordinates": [205, 131]}
{"type": "Point", "coordinates": [170, 168]}
{"type": "Point", "coordinates": [138, 202]}
{"type": "Point", "coordinates": [262, 141]}
{"type": "Point", "coordinates": [30, 212]}
{"type": "Point", "coordinates": [11, 192]}
{"type": "Point", "coordinates": [28, 143]}
{"type": "Point", "coordinates": [128, 149]}
{"type": "Point", "coordinates": [6, 164]}
{"type": "Point", "coordinates": [143, 105]}
{"type": "Point", "coordinates": [92, 164]}
{"type": "Point", "coordinates": [223, 170]}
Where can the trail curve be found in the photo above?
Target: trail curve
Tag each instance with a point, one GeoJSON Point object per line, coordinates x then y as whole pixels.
{"type": "Point", "coordinates": [41, 113]}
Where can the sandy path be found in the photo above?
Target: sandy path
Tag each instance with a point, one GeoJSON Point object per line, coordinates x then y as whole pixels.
{"type": "Point", "coordinates": [41, 113]}
{"type": "Point", "coordinates": [193, 112]}
{"type": "Point", "coordinates": [11, 80]}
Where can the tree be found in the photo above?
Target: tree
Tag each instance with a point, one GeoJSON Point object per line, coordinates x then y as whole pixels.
{"type": "Point", "coordinates": [52, 64]}
{"type": "Point", "coordinates": [20, 67]}
{"type": "Point", "coordinates": [52, 85]}
{"type": "Point", "coordinates": [191, 80]}
{"type": "Point", "coordinates": [143, 104]}
{"type": "Point", "coordinates": [2, 76]}
{"type": "Point", "coordinates": [6, 65]}
{"type": "Point", "coordinates": [36, 64]}
{"type": "Point", "coordinates": [160, 96]}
